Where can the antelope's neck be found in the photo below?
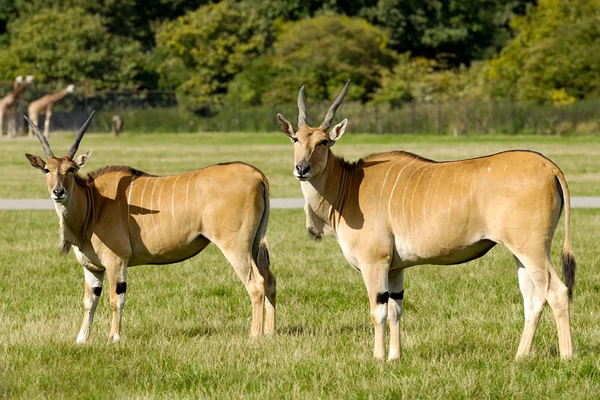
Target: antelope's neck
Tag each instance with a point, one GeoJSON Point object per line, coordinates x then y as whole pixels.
{"type": "Point", "coordinates": [324, 196]}
{"type": "Point", "coordinates": [74, 215]}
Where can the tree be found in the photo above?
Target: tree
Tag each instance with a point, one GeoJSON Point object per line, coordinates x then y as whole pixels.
{"type": "Point", "coordinates": [322, 53]}
{"type": "Point", "coordinates": [552, 53]}
{"type": "Point", "coordinates": [420, 79]}
{"type": "Point", "coordinates": [453, 32]}
{"type": "Point", "coordinates": [134, 19]}
{"type": "Point", "coordinates": [204, 50]}
{"type": "Point", "coordinates": [70, 45]}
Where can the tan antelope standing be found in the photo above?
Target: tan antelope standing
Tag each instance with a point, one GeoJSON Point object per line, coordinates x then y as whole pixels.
{"type": "Point", "coordinates": [118, 217]}
{"type": "Point", "coordinates": [393, 210]}
{"type": "Point", "coordinates": [9, 103]}
{"type": "Point", "coordinates": [43, 106]}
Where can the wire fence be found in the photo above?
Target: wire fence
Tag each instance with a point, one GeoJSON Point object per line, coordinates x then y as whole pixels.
{"type": "Point", "coordinates": [159, 111]}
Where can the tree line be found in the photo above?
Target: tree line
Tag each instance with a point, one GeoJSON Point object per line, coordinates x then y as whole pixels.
{"type": "Point", "coordinates": [261, 51]}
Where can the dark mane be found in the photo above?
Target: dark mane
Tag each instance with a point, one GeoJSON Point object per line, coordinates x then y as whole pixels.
{"type": "Point", "coordinates": [352, 165]}
{"type": "Point", "coordinates": [89, 178]}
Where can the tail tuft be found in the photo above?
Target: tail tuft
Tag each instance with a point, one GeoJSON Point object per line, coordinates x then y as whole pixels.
{"type": "Point", "coordinates": [263, 261]}
{"type": "Point", "coordinates": [569, 267]}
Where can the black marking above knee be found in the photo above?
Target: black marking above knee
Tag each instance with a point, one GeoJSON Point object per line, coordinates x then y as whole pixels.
{"type": "Point", "coordinates": [121, 287]}
{"type": "Point", "coordinates": [397, 296]}
{"type": "Point", "coordinates": [97, 290]}
{"type": "Point", "coordinates": [382, 298]}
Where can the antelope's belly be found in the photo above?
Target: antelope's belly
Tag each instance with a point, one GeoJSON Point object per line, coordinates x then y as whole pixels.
{"type": "Point", "coordinates": [157, 249]}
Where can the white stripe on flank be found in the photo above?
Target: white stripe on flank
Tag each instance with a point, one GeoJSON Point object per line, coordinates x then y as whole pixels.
{"type": "Point", "coordinates": [424, 208]}
{"type": "Point", "coordinates": [161, 220]}
{"type": "Point", "coordinates": [173, 197]}
{"type": "Point", "coordinates": [394, 188]}
{"type": "Point", "coordinates": [462, 181]}
{"type": "Point", "coordinates": [141, 218]}
{"type": "Point", "coordinates": [129, 205]}
{"type": "Point", "coordinates": [450, 197]}
{"type": "Point", "coordinates": [187, 191]}
{"type": "Point", "coordinates": [437, 187]}
{"type": "Point", "coordinates": [404, 193]}
{"type": "Point", "coordinates": [385, 180]}
{"type": "Point", "coordinates": [151, 214]}
{"type": "Point", "coordinates": [412, 221]}
{"type": "Point", "coordinates": [119, 200]}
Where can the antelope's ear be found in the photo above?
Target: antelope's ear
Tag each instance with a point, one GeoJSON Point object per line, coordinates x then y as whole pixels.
{"type": "Point", "coordinates": [286, 126]}
{"type": "Point", "coordinates": [36, 162]}
{"type": "Point", "coordinates": [83, 159]}
{"type": "Point", "coordinates": [338, 130]}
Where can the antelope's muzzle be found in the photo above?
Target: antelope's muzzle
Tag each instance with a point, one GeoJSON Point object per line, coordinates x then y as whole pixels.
{"type": "Point", "coordinates": [302, 170]}
{"type": "Point", "coordinates": [58, 194]}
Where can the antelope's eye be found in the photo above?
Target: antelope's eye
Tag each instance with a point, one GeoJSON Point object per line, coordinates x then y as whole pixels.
{"type": "Point", "coordinates": [46, 170]}
{"type": "Point", "coordinates": [323, 142]}
{"type": "Point", "coordinates": [72, 170]}
{"type": "Point", "coordinates": [294, 140]}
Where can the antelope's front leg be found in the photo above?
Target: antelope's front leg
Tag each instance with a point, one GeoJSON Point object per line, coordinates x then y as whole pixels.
{"type": "Point", "coordinates": [396, 284]}
{"type": "Point", "coordinates": [92, 291]}
{"type": "Point", "coordinates": [376, 280]}
{"type": "Point", "coordinates": [118, 286]}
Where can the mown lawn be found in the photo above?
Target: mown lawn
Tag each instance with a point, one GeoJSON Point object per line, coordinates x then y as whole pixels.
{"type": "Point", "coordinates": [272, 153]}
{"type": "Point", "coordinates": [186, 325]}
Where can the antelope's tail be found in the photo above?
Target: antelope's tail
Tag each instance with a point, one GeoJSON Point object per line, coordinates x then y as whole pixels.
{"type": "Point", "coordinates": [260, 246]}
{"type": "Point", "coordinates": [569, 266]}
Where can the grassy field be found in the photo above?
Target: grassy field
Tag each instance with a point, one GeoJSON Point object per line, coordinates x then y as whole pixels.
{"type": "Point", "coordinates": [186, 326]}
{"type": "Point", "coordinates": [272, 153]}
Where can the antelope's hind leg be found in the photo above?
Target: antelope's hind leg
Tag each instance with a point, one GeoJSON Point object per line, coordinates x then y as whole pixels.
{"type": "Point", "coordinates": [270, 303]}
{"type": "Point", "coordinates": [533, 305]}
{"type": "Point", "coordinates": [548, 287]}
{"type": "Point", "coordinates": [247, 270]}
{"type": "Point", "coordinates": [92, 291]}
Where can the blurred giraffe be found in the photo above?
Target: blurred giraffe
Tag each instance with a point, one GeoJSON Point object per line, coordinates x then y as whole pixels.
{"type": "Point", "coordinates": [43, 105]}
{"type": "Point", "coordinates": [8, 105]}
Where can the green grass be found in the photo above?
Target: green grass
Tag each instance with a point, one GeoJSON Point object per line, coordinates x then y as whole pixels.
{"type": "Point", "coordinates": [186, 326]}
{"type": "Point", "coordinates": [272, 153]}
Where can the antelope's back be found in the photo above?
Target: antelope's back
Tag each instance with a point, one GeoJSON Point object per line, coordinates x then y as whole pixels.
{"type": "Point", "coordinates": [170, 218]}
{"type": "Point", "coordinates": [435, 207]}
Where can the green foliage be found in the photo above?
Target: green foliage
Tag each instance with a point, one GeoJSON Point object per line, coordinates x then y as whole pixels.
{"type": "Point", "coordinates": [70, 46]}
{"type": "Point", "coordinates": [206, 48]}
{"type": "Point", "coordinates": [321, 53]}
{"type": "Point", "coordinates": [135, 19]}
{"type": "Point", "coordinates": [454, 32]}
{"type": "Point", "coordinates": [422, 80]}
{"type": "Point", "coordinates": [553, 50]}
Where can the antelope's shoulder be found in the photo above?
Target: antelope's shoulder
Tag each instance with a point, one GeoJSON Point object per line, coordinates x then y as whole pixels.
{"type": "Point", "coordinates": [383, 159]}
{"type": "Point", "coordinates": [110, 172]}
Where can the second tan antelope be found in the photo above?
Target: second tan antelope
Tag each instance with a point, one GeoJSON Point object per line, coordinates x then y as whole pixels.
{"type": "Point", "coordinates": [118, 217]}
{"type": "Point", "coordinates": [393, 210]}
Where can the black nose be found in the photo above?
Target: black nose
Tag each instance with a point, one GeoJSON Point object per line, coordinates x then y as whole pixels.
{"type": "Point", "coordinates": [302, 168]}
{"type": "Point", "coordinates": [59, 192]}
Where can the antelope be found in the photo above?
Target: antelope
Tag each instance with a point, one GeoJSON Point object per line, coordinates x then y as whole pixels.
{"type": "Point", "coordinates": [118, 217]}
{"type": "Point", "coordinates": [390, 211]}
